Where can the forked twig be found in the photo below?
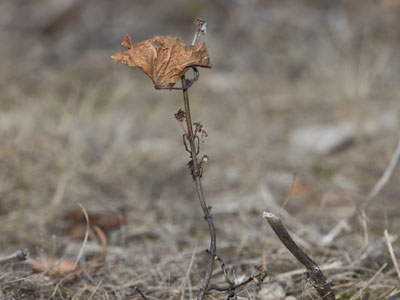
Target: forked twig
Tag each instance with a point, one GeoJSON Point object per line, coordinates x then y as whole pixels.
{"type": "Point", "coordinates": [17, 256]}
{"type": "Point", "coordinates": [314, 273]}
{"type": "Point", "coordinates": [384, 178]}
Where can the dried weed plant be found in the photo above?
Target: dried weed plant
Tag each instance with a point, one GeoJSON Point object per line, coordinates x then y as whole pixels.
{"type": "Point", "coordinates": [166, 60]}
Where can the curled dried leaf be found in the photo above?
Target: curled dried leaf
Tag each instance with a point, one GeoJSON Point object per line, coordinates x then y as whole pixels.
{"type": "Point", "coordinates": [104, 244]}
{"type": "Point", "coordinates": [105, 221]}
{"type": "Point", "coordinates": [164, 59]}
{"type": "Point", "coordinates": [55, 267]}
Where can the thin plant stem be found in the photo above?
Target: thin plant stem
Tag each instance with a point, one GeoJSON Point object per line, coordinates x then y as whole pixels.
{"type": "Point", "coordinates": [199, 189]}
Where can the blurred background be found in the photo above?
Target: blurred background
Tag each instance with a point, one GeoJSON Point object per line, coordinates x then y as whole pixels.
{"type": "Point", "coordinates": [297, 87]}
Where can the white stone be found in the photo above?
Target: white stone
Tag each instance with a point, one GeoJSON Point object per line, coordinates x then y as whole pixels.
{"type": "Point", "coordinates": [321, 139]}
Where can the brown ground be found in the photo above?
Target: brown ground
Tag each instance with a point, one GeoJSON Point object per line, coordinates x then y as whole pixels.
{"type": "Point", "coordinates": [77, 129]}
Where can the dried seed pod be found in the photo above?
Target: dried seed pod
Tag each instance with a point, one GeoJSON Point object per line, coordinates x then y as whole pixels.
{"type": "Point", "coordinates": [180, 115]}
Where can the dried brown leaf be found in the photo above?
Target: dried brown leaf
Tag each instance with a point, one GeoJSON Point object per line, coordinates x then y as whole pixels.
{"type": "Point", "coordinates": [105, 221]}
{"type": "Point", "coordinates": [54, 267]}
{"type": "Point", "coordinates": [164, 59]}
{"type": "Point", "coordinates": [104, 244]}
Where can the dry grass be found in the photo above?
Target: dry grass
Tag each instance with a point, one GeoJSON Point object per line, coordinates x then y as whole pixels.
{"type": "Point", "coordinates": [74, 128]}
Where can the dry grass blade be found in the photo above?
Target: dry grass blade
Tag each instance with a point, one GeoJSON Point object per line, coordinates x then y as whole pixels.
{"type": "Point", "coordinates": [59, 283]}
{"type": "Point", "coordinates": [86, 235]}
{"type": "Point", "coordinates": [362, 206]}
{"type": "Point", "coordinates": [368, 283]}
{"type": "Point", "coordinates": [187, 276]}
{"type": "Point", "coordinates": [384, 178]}
{"type": "Point", "coordinates": [95, 290]}
{"type": "Point", "coordinates": [392, 255]}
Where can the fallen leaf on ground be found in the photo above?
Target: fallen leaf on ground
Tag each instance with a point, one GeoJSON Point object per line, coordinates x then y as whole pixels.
{"type": "Point", "coordinates": [55, 267]}
{"type": "Point", "coordinates": [165, 59]}
{"type": "Point", "coordinates": [106, 222]}
{"type": "Point", "coordinates": [104, 244]}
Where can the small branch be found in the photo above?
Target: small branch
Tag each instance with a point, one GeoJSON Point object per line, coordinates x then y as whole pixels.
{"type": "Point", "coordinates": [224, 271]}
{"type": "Point", "coordinates": [17, 256]}
{"type": "Point", "coordinates": [196, 173]}
{"type": "Point", "coordinates": [140, 293]}
{"type": "Point", "coordinates": [392, 255]}
{"type": "Point", "coordinates": [317, 278]}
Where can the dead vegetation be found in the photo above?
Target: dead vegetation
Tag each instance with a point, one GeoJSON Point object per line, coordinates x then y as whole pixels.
{"type": "Point", "coordinates": [76, 129]}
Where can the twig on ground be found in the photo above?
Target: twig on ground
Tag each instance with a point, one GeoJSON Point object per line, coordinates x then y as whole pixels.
{"type": "Point", "coordinates": [140, 293]}
{"type": "Point", "coordinates": [389, 245]}
{"type": "Point", "coordinates": [17, 256]}
{"type": "Point", "coordinates": [274, 206]}
{"type": "Point", "coordinates": [317, 278]}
